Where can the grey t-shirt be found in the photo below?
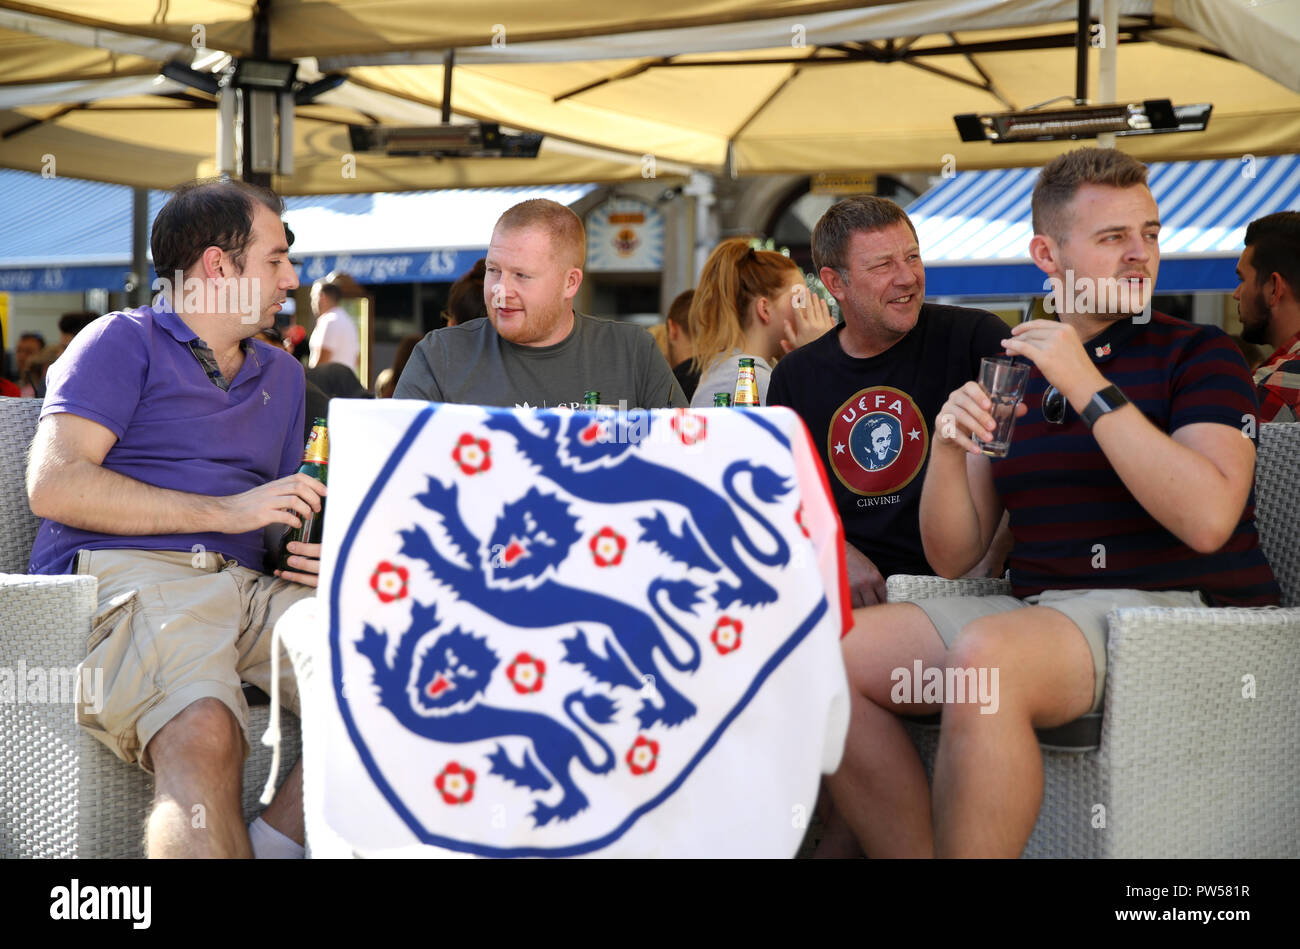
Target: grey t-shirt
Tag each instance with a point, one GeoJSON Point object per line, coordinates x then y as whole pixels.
{"type": "Point", "coordinates": [720, 376]}
{"type": "Point", "coordinates": [471, 364]}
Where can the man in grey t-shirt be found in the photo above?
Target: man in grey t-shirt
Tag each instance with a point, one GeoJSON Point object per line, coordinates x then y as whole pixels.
{"type": "Point", "coordinates": [533, 349]}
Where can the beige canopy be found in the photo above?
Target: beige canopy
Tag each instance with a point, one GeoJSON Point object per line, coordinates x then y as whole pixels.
{"type": "Point", "coordinates": [753, 87]}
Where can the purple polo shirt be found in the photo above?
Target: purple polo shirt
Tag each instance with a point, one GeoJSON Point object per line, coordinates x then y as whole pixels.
{"type": "Point", "coordinates": [134, 373]}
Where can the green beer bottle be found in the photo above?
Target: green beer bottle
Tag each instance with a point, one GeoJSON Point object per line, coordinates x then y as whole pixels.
{"type": "Point", "coordinates": [591, 399]}
{"type": "Point", "coordinates": [315, 462]}
{"type": "Point", "coordinates": [722, 400]}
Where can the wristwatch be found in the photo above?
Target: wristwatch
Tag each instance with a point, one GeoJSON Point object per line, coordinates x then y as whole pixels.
{"type": "Point", "coordinates": [1107, 400]}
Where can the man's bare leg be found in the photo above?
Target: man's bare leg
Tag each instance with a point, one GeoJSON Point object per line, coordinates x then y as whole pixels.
{"type": "Point", "coordinates": [988, 776]}
{"type": "Point", "coordinates": [880, 790]}
{"type": "Point", "coordinates": [197, 759]}
{"type": "Point", "coordinates": [284, 813]}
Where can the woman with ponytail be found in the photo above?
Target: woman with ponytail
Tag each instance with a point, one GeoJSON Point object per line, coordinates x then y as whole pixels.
{"type": "Point", "coordinates": [749, 303]}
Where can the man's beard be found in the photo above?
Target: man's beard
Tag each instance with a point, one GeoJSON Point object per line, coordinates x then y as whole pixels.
{"type": "Point", "coordinates": [1258, 332]}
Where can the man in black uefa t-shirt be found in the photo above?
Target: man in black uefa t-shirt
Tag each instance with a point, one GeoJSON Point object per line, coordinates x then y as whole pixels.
{"type": "Point", "coordinates": [870, 389]}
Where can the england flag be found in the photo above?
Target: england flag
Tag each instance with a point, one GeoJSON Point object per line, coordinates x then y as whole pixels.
{"type": "Point", "coordinates": [547, 633]}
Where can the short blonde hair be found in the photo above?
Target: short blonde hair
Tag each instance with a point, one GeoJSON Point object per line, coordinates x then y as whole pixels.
{"type": "Point", "coordinates": [1062, 177]}
{"type": "Point", "coordinates": [568, 238]}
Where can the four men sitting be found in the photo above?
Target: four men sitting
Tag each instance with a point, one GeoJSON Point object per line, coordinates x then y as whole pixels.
{"type": "Point", "coordinates": [169, 438]}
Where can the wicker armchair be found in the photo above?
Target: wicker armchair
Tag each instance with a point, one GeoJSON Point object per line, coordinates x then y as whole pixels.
{"type": "Point", "coordinates": [1184, 764]}
{"type": "Point", "coordinates": [62, 793]}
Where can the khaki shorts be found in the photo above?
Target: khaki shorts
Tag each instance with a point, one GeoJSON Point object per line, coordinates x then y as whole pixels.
{"type": "Point", "coordinates": [171, 628]}
{"type": "Point", "coordinates": [1087, 609]}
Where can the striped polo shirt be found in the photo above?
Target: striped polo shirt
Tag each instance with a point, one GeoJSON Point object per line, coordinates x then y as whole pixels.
{"type": "Point", "coordinates": [1076, 525]}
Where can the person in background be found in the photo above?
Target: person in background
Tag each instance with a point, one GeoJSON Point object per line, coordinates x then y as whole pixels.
{"type": "Point", "coordinates": [335, 338]}
{"type": "Point", "coordinates": [25, 350]}
{"type": "Point", "coordinates": [659, 333]}
{"type": "Point", "coordinates": [8, 387]}
{"type": "Point", "coordinates": [464, 301]}
{"type": "Point", "coordinates": [32, 382]}
{"type": "Point", "coordinates": [1253, 353]}
{"type": "Point", "coordinates": [749, 303]}
{"type": "Point", "coordinates": [1268, 301]}
{"type": "Point", "coordinates": [70, 324]}
{"type": "Point", "coordinates": [386, 384]}
{"type": "Point", "coordinates": [681, 349]}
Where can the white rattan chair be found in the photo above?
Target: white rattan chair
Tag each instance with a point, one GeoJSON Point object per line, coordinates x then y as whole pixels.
{"type": "Point", "coordinates": [62, 793]}
{"type": "Point", "coordinates": [1184, 764]}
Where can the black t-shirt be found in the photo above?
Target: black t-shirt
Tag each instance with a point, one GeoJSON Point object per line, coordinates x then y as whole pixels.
{"type": "Point", "coordinates": [872, 421]}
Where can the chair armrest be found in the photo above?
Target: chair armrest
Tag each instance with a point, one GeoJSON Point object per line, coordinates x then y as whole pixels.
{"type": "Point", "coordinates": [44, 622]}
{"type": "Point", "coordinates": [46, 619]}
{"type": "Point", "coordinates": [1206, 699]}
{"type": "Point", "coordinates": [903, 588]}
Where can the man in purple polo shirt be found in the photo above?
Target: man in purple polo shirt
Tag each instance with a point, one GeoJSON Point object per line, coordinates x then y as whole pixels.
{"type": "Point", "coordinates": [168, 441]}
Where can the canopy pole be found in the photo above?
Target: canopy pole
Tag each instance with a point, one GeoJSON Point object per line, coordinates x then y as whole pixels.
{"type": "Point", "coordinates": [261, 51]}
{"type": "Point", "coordinates": [1108, 77]}
{"type": "Point", "coordinates": [139, 295]}
{"type": "Point", "coordinates": [1081, 54]}
{"type": "Point", "coordinates": [448, 64]}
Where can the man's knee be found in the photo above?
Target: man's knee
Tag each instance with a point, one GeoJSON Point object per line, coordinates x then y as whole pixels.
{"type": "Point", "coordinates": [205, 734]}
{"type": "Point", "coordinates": [980, 643]}
{"type": "Point", "coordinates": [885, 639]}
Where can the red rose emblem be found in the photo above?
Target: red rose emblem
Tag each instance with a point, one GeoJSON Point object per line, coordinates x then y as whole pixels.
{"type": "Point", "coordinates": [726, 635]}
{"type": "Point", "coordinates": [607, 547]}
{"type": "Point", "coordinates": [455, 784]}
{"type": "Point", "coordinates": [690, 428]}
{"type": "Point", "coordinates": [525, 673]}
{"type": "Point", "coordinates": [472, 454]}
{"type": "Point", "coordinates": [643, 755]}
{"type": "Point", "coordinates": [389, 582]}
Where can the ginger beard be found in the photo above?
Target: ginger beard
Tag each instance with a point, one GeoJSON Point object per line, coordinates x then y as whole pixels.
{"type": "Point", "coordinates": [529, 285]}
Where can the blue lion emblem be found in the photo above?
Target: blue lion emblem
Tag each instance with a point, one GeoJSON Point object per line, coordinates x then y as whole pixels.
{"type": "Point", "coordinates": [532, 536]}
{"type": "Point", "coordinates": [713, 536]}
{"type": "Point", "coordinates": [443, 701]}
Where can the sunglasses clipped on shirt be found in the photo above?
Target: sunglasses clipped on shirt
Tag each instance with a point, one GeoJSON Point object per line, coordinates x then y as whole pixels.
{"type": "Point", "coordinates": [1053, 406]}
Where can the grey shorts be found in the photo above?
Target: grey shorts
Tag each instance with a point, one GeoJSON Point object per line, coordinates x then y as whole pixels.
{"type": "Point", "coordinates": [1087, 609]}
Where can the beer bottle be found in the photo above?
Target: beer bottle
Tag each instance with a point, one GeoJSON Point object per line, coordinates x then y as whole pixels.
{"type": "Point", "coordinates": [591, 399]}
{"type": "Point", "coordinates": [315, 462]}
{"type": "Point", "coordinates": [746, 384]}
{"type": "Point", "coordinates": [721, 400]}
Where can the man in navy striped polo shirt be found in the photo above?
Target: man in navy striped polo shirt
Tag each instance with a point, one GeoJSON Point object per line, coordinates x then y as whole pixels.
{"type": "Point", "coordinates": [1128, 482]}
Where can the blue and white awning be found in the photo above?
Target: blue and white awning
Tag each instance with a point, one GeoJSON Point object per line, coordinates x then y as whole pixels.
{"type": "Point", "coordinates": [974, 228]}
{"type": "Point", "coordinates": [64, 234]}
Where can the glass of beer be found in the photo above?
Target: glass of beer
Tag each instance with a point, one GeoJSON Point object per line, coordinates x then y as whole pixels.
{"type": "Point", "coordinates": [1003, 379]}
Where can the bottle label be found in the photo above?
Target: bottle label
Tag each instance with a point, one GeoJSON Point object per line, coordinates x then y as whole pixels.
{"type": "Point", "coordinates": [318, 446]}
{"type": "Point", "coordinates": [746, 387]}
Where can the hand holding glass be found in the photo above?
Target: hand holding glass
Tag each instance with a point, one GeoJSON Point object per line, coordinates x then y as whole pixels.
{"type": "Point", "coordinates": [1003, 380]}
